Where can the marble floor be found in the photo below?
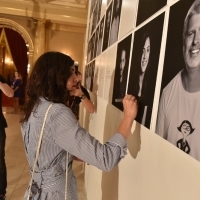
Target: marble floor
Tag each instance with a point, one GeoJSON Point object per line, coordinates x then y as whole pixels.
{"type": "Point", "coordinates": [17, 166]}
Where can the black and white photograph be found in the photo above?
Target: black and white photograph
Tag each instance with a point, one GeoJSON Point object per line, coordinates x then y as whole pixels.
{"type": "Point", "coordinates": [147, 8]}
{"type": "Point", "coordinates": [93, 46]}
{"type": "Point", "coordinates": [86, 77]}
{"type": "Point", "coordinates": [96, 41]}
{"type": "Point", "coordinates": [94, 18]}
{"type": "Point", "coordinates": [89, 50]}
{"type": "Point", "coordinates": [107, 27]}
{"type": "Point", "coordinates": [88, 32]}
{"type": "Point", "coordinates": [144, 66]}
{"type": "Point", "coordinates": [178, 111]}
{"type": "Point", "coordinates": [99, 4]}
{"type": "Point", "coordinates": [92, 69]}
{"type": "Point", "coordinates": [108, 1]}
{"type": "Point", "coordinates": [93, 2]}
{"type": "Point", "coordinates": [116, 14]}
{"type": "Point", "coordinates": [89, 75]}
{"type": "Point", "coordinates": [121, 71]}
{"type": "Point", "coordinates": [100, 38]}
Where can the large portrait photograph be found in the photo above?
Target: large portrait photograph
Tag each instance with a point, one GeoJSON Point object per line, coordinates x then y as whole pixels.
{"type": "Point", "coordinates": [144, 66]}
{"type": "Point", "coordinates": [179, 105]}
{"type": "Point", "coordinates": [146, 8]}
{"type": "Point", "coordinates": [121, 71]}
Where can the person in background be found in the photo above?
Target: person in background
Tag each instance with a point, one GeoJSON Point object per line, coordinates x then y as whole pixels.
{"type": "Point", "coordinates": [10, 79]}
{"type": "Point", "coordinates": [16, 85]}
{"type": "Point", "coordinates": [4, 87]}
{"type": "Point", "coordinates": [80, 94]}
{"type": "Point", "coordinates": [51, 81]}
{"type": "Point", "coordinates": [180, 99]}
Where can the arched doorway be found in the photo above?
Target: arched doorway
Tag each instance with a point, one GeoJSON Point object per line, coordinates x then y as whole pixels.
{"type": "Point", "coordinates": [21, 50]}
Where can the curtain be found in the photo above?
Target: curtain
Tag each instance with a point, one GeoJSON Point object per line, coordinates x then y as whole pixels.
{"type": "Point", "coordinates": [18, 50]}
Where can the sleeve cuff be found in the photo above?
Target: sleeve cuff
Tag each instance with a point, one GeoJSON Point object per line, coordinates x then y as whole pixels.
{"type": "Point", "coordinates": [119, 140]}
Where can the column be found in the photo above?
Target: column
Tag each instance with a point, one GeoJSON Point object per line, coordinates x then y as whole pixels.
{"type": "Point", "coordinates": [39, 39]}
{"type": "Point", "coordinates": [48, 26]}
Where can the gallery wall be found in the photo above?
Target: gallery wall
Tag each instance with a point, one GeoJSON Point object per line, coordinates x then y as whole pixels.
{"type": "Point", "coordinates": [144, 42]}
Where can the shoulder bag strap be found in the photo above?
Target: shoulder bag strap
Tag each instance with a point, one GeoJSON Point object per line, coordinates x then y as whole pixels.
{"type": "Point", "coordinates": [37, 154]}
{"type": "Point", "coordinates": [38, 149]}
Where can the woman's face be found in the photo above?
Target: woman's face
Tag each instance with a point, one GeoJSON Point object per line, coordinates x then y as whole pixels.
{"type": "Point", "coordinates": [16, 75]}
{"type": "Point", "coordinates": [145, 55]}
{"type": "Point", "coordinates": [72, 81]}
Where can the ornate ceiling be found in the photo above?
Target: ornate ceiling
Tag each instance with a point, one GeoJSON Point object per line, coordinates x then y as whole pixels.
{"type": "Point", "coordinates": [69, 3]}
{"type": "Point", "coordinates": [63, 11]}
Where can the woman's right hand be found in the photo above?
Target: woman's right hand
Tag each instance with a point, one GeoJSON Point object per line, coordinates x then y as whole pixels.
{"type": "Point", "coordinates": [130, 105]}
{"type": "Point", "coordinates": [130, 112]}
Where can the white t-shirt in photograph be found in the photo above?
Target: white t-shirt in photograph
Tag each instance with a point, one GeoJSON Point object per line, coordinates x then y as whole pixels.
{"type": "Point", "coordinates": [179, 117]}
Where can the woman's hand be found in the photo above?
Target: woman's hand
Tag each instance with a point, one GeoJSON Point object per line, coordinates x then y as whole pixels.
{"type": "Point", "coordinates": [130, 113]}
{"type": "Point", "coordinates": [77, 92]}
{"type": "Point", "coordinates": [130, 106]}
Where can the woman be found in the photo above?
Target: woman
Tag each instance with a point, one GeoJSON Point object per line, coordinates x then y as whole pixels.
{"type": "Point", "coordinates": [140, 86]}
{"type": "Point", "coordinates": [51, 81]}
{"type": "Point", "coordinates": [17, 90]}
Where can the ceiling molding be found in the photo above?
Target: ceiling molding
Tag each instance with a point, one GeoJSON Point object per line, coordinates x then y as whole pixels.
{"type": "Point", "coordinates": [55, 13]}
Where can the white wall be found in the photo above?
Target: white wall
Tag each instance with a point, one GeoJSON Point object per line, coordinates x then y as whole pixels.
{"type": "Point", "coordinates": [153, 169]}
{"type": "Point", "coordinates": [69, 42]}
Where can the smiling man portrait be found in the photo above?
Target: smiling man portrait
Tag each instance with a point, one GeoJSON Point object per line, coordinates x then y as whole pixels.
{"type": "Point", "coordinates": [180, 100]}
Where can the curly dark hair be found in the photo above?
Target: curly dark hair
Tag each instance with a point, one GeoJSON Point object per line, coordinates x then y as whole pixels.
{"type": "Point", "coordinates": [48, 80]}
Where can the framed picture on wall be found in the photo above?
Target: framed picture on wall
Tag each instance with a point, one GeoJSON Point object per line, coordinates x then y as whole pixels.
{"type": "Point", "coordinates": [178, 111]}
{"type": "Point", "coordinates": [94, 18]}
{"type": "Point", "coordinates": [93, 2]}
{"type": "Point", "coordinates": [92, 69]}
{"type": "Point", "coordinates": [96, 41]}
{"type": "Point", "coordinates": [107, 27]}
{"type": "Point", "coordinates": [116, 14]}
{"type": "Point", "coordinates": [108, 1]}
{"type": "Point", "coordinates": [121, 71]}
{"type": "Point", "coordinates": [86, 77]}
{"type": "Point", "coordinates": [144, 66]}
{"type": "Point", "coordinates": [100, 38]}
{"type": "Point", "coordinates": [99, 4]}
{"type": "Point", "coordinates": [146, 8]}
{"type": "Point", "coordinates": [93, 46]}
{"type": "Point", "coordinates": [89, 50]}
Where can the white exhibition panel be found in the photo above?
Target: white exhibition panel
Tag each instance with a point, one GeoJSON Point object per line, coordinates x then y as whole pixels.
{"type": "Point", "coordinates": [102, 71]}
{"type": "Point", "coordinates": [109, 74]}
